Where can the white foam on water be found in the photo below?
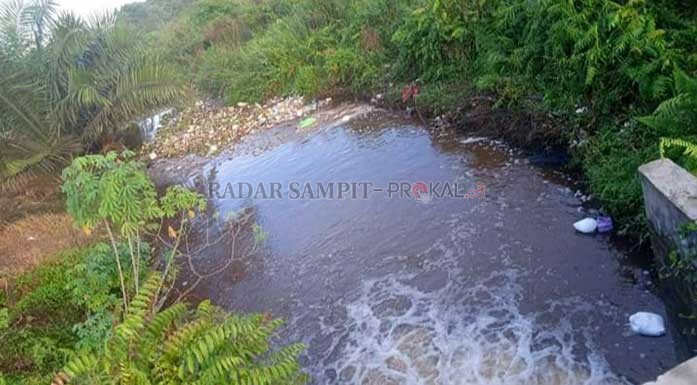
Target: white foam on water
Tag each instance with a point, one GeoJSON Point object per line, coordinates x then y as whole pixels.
{"type": "Point", "coordinates": [463, 333]}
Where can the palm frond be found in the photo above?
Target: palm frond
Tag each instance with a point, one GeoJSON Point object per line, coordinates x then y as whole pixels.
{"type": "Point", "coordinates": [63, 79]}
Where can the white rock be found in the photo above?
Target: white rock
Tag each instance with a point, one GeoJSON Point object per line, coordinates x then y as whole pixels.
{"type": "Point", "coordinates": [212, 149]}
{"type": "Point", "coordinates": [586, 226]}
{"type": "Point", "coordinates": [647, 324]}
{"type": "Point", "coordinates": [152, 156]}
{"type": "Point", "coordinates": [473, 139]}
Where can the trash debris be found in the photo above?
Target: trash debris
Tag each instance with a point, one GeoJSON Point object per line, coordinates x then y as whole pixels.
{"type": "Point", "coordinates": [604, 224]}
{"type": "Point", "coordinates": [307, 122]}
{"type": "Point", "coordinates": [647, 324]}
{"type": "Point", "coordinates": [204, 124]}
{"type": "Point", "coordinates": [586, 226]}
{"type": "Point", "coordinates": [377, 99]}
{"type": "Point", "coordinates": [474, 139]}
{"type": "Point", "coordinates": [212, 149]}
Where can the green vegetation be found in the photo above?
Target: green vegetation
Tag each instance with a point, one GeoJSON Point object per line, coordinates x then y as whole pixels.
{"type": "Point", "coordinates": [177, 346]}
{"type": "Point", "coordinates": [99, 313]}
{"type": "Point", "coordinates": [67, 85]}
{"type": "Point", "coordinates": [615, 75]}
{"type": "Point", "coordinates": [151, 15]}
{"type": "Point", "coordinates": [618, 77]}
{"type": "Point", "coordinates": [62, 306]}
{"type": "Point", "coordinates": [251, 50]}
{"type": "Point", "coordinates": [684, 151]}
{"type": "Point", "coordinates": [114, 192]}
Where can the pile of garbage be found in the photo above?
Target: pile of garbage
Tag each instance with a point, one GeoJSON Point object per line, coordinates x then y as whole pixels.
{"type": "Point", "coordinates": [205, 128]}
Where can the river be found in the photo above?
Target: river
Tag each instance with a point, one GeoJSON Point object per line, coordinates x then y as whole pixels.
{"type": "Point", "coordinates": [497, 290]}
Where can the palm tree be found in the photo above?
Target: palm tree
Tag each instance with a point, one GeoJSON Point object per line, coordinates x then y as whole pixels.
{"type": "Point", "coordinates": [66, 83]}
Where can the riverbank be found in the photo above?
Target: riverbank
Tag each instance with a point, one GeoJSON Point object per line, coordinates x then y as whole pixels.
{"type": "Point", "coordinates": [34, 226]}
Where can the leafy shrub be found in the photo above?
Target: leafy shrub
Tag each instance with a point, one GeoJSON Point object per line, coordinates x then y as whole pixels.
{"type": "Point", "coordinates": [287, 59]}
{"type": "Point", "coordinates": [179, 346]}
{"type": "Point", "coordinates": [115, 192]}
{"type": "Point", "coordinates": [48, 310]}
{"type": "Point", "coordinates": [436, 41]}
{"type": "Point", "coordinates": [677, 115]}
{"type": "Point", "coordinates": [610, 161]}
{"type": "Point", "coordinates": [610, 61]}
{"type": "Point", "coordinates": [596, 53]}
{"type": "Point", "coordinates": [249, 51]}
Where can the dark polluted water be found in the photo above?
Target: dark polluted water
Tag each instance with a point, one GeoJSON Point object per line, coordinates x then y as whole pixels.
{"type": "Point", "coordinates": [499, 290]}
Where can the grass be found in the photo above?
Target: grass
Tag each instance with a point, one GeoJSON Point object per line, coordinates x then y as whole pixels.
{"type": "Point", "coordinates": [610, 162]}
{"type": "Point", "coordinates": [67, 303]}
{"type": "Point", "coordinates": [41, 319]}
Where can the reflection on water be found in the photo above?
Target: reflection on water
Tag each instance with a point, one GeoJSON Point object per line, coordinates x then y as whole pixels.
{"type": "Point", "coordinates": [390, 291]}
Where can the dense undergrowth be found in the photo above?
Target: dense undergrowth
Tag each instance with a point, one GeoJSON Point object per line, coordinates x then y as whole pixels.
{"type": "Point", "coordinates": [64, 305]}
{"type": "Point", "coordinates": [111, 313]}
{"type": "Point", "coordinates": [598, 68]}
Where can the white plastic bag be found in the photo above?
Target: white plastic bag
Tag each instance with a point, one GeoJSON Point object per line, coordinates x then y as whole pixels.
{"type": "Point", "coordinates": [647, 324]}
{"type": "Point", "coordinates": [586, 226]}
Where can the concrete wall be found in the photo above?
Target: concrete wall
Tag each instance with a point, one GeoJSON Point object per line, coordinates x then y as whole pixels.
{"type": "Point", "coordinates": [670, 198]}
{"type": "Point", "coordinates": [683, 374]}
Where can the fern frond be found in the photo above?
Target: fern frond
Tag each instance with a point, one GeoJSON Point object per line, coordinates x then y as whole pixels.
{"type": "Point", "coordinates": [690, 149]}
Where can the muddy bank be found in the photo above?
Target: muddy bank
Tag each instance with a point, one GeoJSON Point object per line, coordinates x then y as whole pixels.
{"type": "Point", "coordinates": [477, 115]}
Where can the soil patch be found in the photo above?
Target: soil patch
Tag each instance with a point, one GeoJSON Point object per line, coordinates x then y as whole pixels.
{"type": "Point", "coordinates": [30, 241]}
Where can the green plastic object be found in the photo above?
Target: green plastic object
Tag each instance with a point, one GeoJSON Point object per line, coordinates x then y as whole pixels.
{"type": "Point", "coordinates": [307, 122]}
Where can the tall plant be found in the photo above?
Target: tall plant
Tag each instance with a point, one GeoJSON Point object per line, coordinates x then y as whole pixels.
{"type": "Point", "coordinates": [113, 192]}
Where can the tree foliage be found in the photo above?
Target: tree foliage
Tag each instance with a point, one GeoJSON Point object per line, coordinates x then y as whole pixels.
{"type": "Point", "coordinates": [114, 192]}
{"type": "Point", "coordinates": [66, 83]}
